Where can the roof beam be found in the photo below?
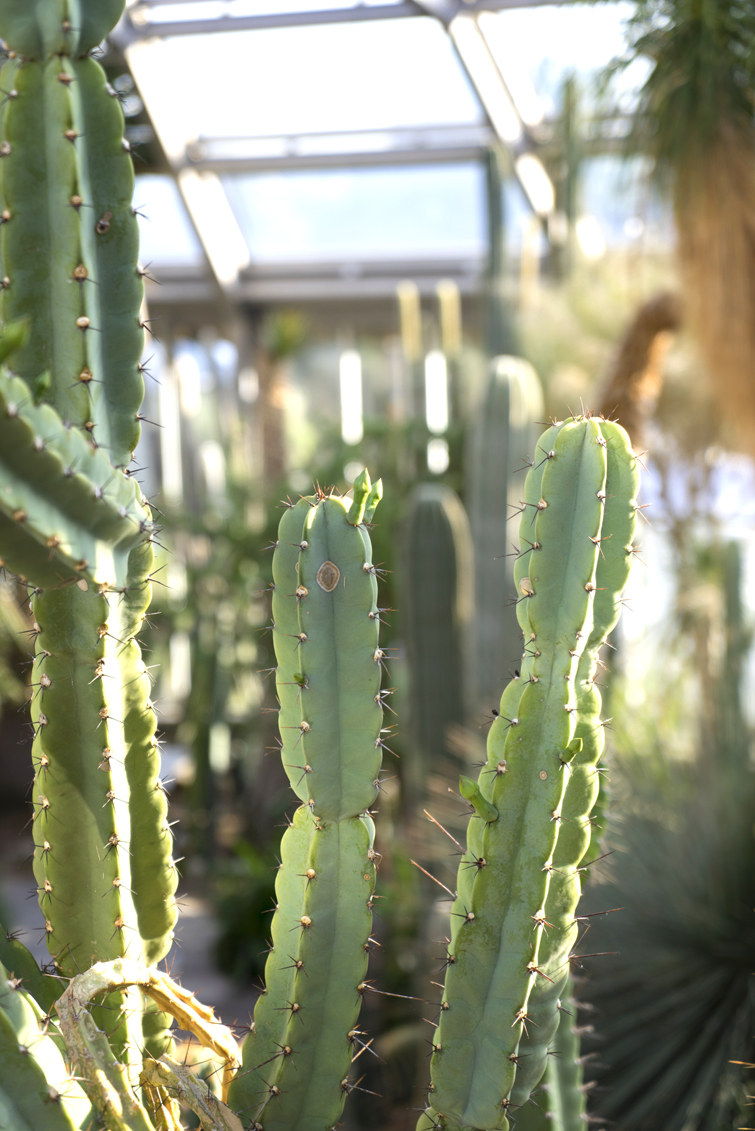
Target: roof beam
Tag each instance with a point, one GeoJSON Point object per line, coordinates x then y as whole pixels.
{"type": "Point", "coordinates": [136, 22]}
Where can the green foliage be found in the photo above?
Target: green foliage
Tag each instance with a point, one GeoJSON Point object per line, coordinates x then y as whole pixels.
{"type": "Point", "coordinates": [675, 1011]}
{"type": "Point", "coordinates": [677, 1008]}
{"type": "Point", "coordinates": [283, 334]}
{"type": "Point", "coordinates": [702, 76]}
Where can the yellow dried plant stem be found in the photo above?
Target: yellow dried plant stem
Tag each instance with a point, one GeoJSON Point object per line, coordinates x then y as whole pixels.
{"type": "Point", "coordinates": [171, 998]}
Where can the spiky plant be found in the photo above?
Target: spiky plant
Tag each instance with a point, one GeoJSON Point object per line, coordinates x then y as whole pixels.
{"type": "Point", "coordinates": [695, 119]}
{"type": "Point", "coordinates": [675, 994]}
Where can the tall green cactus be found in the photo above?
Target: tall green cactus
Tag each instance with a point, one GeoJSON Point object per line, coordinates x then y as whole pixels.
{"type": "Point", "coordinates": [503, 437]}
{"type": "Point", "coordinates": [72, 521]}
{"type": "Point", "coordinates": [438, 606]}
{"type": "Point", "coordinates": [538, 769]}
{"type": "Point", "coordinates": [296, 1060]}
{"type": "Point", "coordinates": [612, 574]}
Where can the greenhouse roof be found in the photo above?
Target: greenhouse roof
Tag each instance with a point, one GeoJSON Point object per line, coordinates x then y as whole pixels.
{"type": "Point", "coordinates": [345, 144]}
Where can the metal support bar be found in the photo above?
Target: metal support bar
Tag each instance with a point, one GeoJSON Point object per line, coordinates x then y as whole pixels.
{"type": "Point", "coordinates": [137, 24]}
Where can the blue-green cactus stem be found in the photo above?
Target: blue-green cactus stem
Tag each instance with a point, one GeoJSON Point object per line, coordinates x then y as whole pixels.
{"type": "Point", "coordinates": [64, 514]}
{"type": "Point", "coordinates": [263, 1047]}
{"type": "Point", "coordinates": [21, 964]}
{"type": "Point", "coordinates": [494, 956]}
{"type": "Point", "coordinates": [82, 831]}
{"type": "Point", "coordinates": [102, 844]}
{"type": "Point", "coordinates": [503, 435]}
{"type": "Point", "coordinates": [612, 574]}
{"type": "Point", "coordinates": [38, 28]}
{"type": "Point", "coordinates": [37, 1091]}
{"type": "Point", "coordinates": [564, 1075]}
{"type": "Point", "coordinates": [70, 238]}
{"type": "Point", "coordinates": [302, 1081]}
{"type": "Point", "coordinates": [153, 872]}
{"type": "Point", "coordinates": [528, 497]}
{"type": "Point", "coordinates": [438, 604]}
{"type": "Point", "coordinates": [338, 744]}
{"type": "Point", "coordinates": [296, 1062]}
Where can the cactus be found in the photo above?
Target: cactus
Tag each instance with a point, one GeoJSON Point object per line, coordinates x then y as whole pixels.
{"type": "Point", "coordinates": [438, 604]}
{"type": "Point", "coordinates": [72, 521]}
{"type": "Point", "coordinates": [325, 631]}
{"type": "Point", "coordinates": [575, 830]}
{"type": "Point", "coordinates": [499, 919]}
{"type": "Point", "coordinates": [564, 1074]}
{"type": "Point", "coordinates": [37, 1092]}
{"type": "Point", "coordinates": [503, 437]}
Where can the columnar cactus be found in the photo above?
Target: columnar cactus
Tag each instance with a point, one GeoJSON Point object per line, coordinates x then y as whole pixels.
{"type": "Point", "coordinates": [513, 922]}
{"type": "Point", "coordinates": [575, 828]}
{"type": "Point", "coordinates": [438, 607]}
{"type": "Point", "coordinates": [296, 1059]}
{"type": "Point", "coordinates": [72, 522]}
{"type": "Point", "coordinates": [504, 434]}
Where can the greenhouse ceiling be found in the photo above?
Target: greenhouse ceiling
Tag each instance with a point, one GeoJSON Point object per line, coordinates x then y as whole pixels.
{"type": "Point", "coordinates": [332, 151]}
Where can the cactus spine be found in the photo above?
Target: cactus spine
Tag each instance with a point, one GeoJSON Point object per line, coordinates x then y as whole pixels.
{"type": "Point", "coordinates": [500, 915]}
{"type": "Point", "coordinates": [326, 620]}
{"type": "Point", "coordinates": [503, 436]}
{"type": "Point", "coordinates": [438, 608]}
{"type": "Point", "coordinates": [69, 246]}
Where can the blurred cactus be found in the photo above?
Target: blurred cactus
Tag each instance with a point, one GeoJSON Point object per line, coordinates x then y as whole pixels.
{"type": "Point", "coordinates": [503, 437]}
{"type": "Point", "coordinates": [438, 604]}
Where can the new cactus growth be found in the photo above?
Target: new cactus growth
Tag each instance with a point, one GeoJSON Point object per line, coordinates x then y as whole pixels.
{"type": "Point", "coordinates": [72, 522]}
{"type": "Point", "coordinates": [517, 870]}
{"type": "Point", "coordinates": [296, 1061]}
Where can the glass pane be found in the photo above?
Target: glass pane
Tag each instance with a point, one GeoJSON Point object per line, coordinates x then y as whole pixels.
{"type": "Point", "coordinates": [547, 43]}
{"type": "Point", "coordinates": [166, 234]}
{"type": "Point", "coordinates": [351, 76]}
{"type": "Point", "coordinates": [407, 212]}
